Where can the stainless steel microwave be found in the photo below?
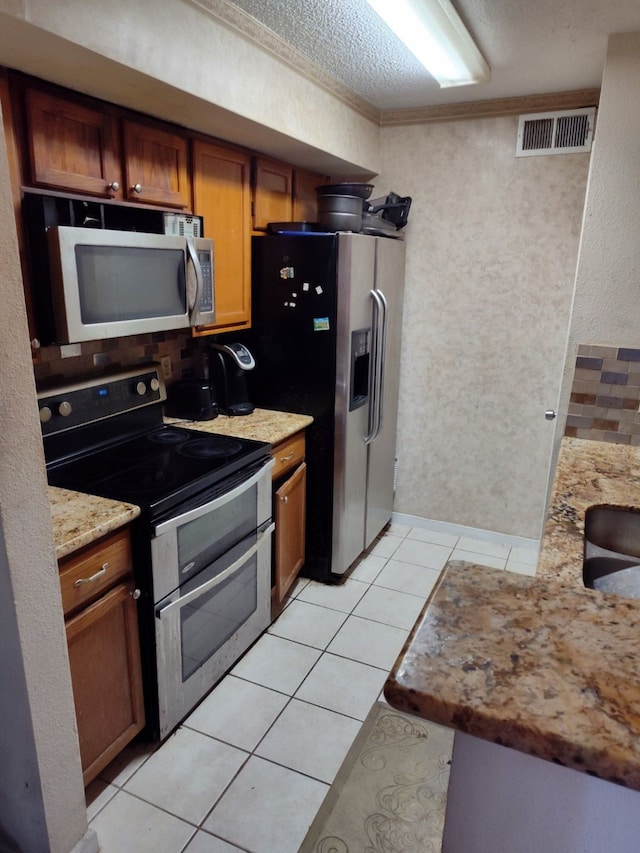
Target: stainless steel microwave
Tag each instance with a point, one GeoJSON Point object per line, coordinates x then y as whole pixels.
{"type": "Point", "coordinates": [109, 284]}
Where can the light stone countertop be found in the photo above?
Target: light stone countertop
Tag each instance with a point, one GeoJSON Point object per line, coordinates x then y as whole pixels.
{"type": "Point", "coordinates": [80, 519]}
{"type": "Point", "coordinates": [540, 664]}
{"type": "Point", "coordinates": [260, 425]}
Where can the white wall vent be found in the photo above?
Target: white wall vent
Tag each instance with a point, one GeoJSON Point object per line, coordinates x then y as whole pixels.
{"type": "Point", "coordinates": [565, 132]}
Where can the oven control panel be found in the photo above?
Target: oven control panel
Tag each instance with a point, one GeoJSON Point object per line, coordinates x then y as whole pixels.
{"type": "Point", "coordinates": [98, 398]}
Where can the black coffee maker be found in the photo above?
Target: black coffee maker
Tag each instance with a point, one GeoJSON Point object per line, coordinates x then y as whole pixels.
{"type": "Point", "coordinates": [228, 365]}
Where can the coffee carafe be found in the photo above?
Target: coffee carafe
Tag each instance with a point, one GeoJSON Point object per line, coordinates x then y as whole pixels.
{"type": "Point", "coordinates": [229, 364]}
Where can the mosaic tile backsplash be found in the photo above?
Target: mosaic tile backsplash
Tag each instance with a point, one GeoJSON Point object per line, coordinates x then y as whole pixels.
{"type": "Point", "coordinates": [605, 395]}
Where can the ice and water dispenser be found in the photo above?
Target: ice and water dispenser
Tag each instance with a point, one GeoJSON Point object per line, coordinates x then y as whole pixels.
{"type": "Point", "coordinates": [359, 391]}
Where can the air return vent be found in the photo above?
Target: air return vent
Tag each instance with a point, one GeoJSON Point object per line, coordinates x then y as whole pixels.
{"type": "Point", "coordinates": [567, 132]}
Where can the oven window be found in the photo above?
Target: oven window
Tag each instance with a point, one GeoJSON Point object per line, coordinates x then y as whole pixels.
{"type": "Point", "coordinates": [207, 538]}
{"type": "Point", "coordinates": [207, 622]}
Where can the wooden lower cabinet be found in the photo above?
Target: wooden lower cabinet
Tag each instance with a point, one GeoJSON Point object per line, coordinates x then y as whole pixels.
{"type": "Point", "coordinates": [290, 516]}
{"type": "Point", "coordinates": [104, 657]}
{"type": "Point", "coordinates": [289, 512]}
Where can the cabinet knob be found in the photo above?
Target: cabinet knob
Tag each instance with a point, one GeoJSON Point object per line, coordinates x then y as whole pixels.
{"type": "Point", "coordinates": [114, 185]}
{"type": "Point", "coordinates": [35, 343]}
{"type": "Point", "coordinates": [135, 594]}
{"type": "Point", "coordinates": [136, 188]}
{"type": "Point", "coordinates": [549, 414]}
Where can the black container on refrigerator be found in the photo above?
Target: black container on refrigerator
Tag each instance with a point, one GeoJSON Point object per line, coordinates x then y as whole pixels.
{"type": "Point", "coordinates": [326, 340]}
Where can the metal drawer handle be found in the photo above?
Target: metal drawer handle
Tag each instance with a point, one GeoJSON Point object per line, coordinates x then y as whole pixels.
{"type": "Point", "coordinates": [95, 577]}
{"type": "Point", "coordinates": [287, 458]}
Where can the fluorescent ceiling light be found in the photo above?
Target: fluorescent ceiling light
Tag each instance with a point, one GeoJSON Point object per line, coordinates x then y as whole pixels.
{"type": "Point", "coordinates": [435, 34]}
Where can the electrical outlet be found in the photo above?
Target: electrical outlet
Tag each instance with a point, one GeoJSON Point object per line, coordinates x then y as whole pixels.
{"type": "Point", "coordinates": [167, 369]}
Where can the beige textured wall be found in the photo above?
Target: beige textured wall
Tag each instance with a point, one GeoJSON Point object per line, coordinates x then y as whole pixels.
{"type": "Point", "coordinates": [41, 791]}
{"type": "Point", "coordinates": [607, 295]}
{"type": "Point", "coordinates": [492, 244]}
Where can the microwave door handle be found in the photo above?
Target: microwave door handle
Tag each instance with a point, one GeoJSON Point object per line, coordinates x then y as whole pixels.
{"type": "Point", "coordinates": [193, 256]}
{"type": "Point", "coordinates": [161, 612]}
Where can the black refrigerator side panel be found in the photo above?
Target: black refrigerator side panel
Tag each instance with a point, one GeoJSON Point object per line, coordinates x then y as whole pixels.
{"type": "Point", "coordinates": [293, 340]}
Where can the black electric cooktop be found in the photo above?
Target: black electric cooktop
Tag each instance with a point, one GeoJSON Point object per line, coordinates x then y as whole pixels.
{"type": "Point", "coordinates": [160, 469]}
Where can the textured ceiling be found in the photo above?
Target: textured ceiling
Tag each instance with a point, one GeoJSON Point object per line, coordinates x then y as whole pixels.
{"type": "Point", "coordinates": [533, 46]}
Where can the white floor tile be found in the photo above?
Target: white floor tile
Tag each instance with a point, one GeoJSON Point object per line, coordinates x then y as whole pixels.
{"type": "Point", "coordinates": [368, 642]}
{"type": "Point", "coordinates": [297, 587]}
{"type": "Point", "coordinates": [129, 825]}
{"type": "Point", "coordinates": [368, 568]}
{"type": "Point", "coordinates": [520, 568]}
{"type": "Point", "coordinates": [341, 685]}
{"type": "Point", "coordinates": [390, 607]}
{"type": "Point", "coordinates": [202, 842]}
{"type": "Point", "coordinates": [125, 765]}
{"type": "Point", "coordinates": [97, 796]}
{"type": "Point", "coordinates": [343, 597]}
{"type": "Point", "coordinates": [482, 546]}
{"type": "Point", "coordinates": [480, 558]}
{"type": "Point", "coordinates": [436, 537]}
{"type": "Point", "coordinates": [237, 712]}
{"type": "Point", "coordinates": [386, 545]}
{"type": "Point", "coordinates": [187, 775]}
{"type": "Point", "coordinates": [525, 555]}
{"type": "Point", "coordinates": [277, 663]}
{"type": "Point", "coordinates": [310, 740]}
{"type": "Point", "coordinates": [267, 809]}
{"type": "Point", "coordinates": [308, 624]}
{"type": "Point", "coordinates": [405, 577]}
{"type": "Point", "coordinates": [422, 554]}
{"type": "Point", "coordinates": [397, 529]}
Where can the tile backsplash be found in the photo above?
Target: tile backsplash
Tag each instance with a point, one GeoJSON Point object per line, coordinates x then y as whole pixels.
{"type": "Point", "coordinates": [114, 353]}
{"type": "Point", "coordinates": [605, 395]}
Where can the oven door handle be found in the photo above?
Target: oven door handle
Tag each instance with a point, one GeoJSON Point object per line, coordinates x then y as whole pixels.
{"type": "Point", "coordinates": [161, 612]}
{"type": "Point", "coordinates": [216, 503]}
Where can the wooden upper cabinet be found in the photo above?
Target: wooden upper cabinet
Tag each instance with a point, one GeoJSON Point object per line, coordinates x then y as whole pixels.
{"type": "Point", "coordinates": [272, 193]}
{"type": "Point", "coordinates": [305, 207]}
{"type": "Point", "coordinates": [222, 195]}
{"type": "Point", "coordinates": [72, 146]}
{"type": "Point", "coordinates": [156, 166]}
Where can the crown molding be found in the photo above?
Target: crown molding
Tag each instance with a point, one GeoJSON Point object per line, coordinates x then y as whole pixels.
{"type": "Point", "coordinates": [492, 108]}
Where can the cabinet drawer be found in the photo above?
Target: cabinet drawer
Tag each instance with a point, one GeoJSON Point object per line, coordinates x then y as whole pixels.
{"type": "Point", "coordinates": [288, 454]}
{"type": "Point", "coordinates": [85, 575]}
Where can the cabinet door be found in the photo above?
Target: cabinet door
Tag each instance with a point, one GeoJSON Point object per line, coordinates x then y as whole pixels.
{"type": "Point", "coordinates": [104, 656]}
{"type": "Point", "coordinates": [272, 193]}
{"type": "Point", "coordinates": [290, 514]}
{"type": "Point", "coordinates": [71, 146]}
{"type": "Point", "coordinates": [305, 207]}
{"type": "Point", "coordinates": [156, 166]}
{"type": "Point", "coordinates": [222, 195]}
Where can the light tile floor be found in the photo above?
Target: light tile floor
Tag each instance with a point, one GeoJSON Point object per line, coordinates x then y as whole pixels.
{"type": "Point", "coordinates": [249, 768]}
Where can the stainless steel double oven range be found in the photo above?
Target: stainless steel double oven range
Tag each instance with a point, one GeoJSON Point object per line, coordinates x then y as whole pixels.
{"type": "Point", "coordinates": [201, 546]}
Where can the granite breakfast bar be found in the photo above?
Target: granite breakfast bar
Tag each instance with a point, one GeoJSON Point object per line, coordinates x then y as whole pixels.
{"type": "Point", "coordinates": [540, 678]}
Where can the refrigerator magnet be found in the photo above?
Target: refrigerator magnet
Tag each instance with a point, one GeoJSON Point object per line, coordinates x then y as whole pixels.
{"type": "Point", "coordinates": [320, 324]}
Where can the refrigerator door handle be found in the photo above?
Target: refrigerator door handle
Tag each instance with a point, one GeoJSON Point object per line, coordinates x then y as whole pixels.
{"type": "Point", "coordinates": [383, 357]}
{"type": "Point", "coordinates": [378, 345]}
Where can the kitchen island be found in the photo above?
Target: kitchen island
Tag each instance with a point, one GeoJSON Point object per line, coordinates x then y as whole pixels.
{"type": "Point", "coordinates": [537, 668]}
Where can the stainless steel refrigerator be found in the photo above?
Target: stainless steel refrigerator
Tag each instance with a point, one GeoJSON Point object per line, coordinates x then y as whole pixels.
{"type": "Point", "coordinates": [327, 311]}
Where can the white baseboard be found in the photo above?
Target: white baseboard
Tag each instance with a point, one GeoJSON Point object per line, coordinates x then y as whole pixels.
{"type": "Point", "coordinates": [462, 530]}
